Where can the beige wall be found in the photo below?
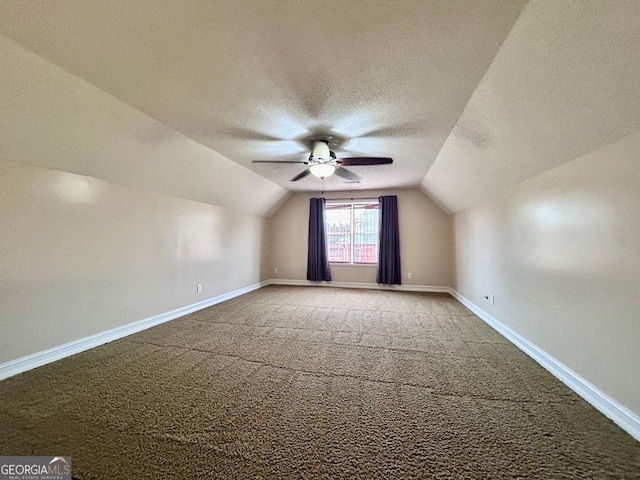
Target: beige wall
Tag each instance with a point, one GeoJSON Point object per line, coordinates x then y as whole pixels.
{"type": "Point", "coordinates": [426, 239]}
{"type": "Point", "coordinates": [108, 216]}
{"type": "Point", "coordinates": [79, 256]}
{"type": "Point", "coordinates": [560, 252]}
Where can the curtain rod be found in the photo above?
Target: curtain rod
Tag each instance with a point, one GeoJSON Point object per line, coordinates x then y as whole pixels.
{"type": "Point", "coordinates": [353, 198]}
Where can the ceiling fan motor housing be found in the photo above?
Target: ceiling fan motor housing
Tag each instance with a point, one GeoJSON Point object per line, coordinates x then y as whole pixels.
{"type": "Point", "coordinates": [321, 153]}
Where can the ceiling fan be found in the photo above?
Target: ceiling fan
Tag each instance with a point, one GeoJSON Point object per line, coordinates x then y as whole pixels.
{"type": "Point", "coordinates": [324, 163]}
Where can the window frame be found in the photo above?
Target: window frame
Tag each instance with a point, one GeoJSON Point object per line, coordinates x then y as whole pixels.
{"type": "Point", "coordinates": [352, 232]}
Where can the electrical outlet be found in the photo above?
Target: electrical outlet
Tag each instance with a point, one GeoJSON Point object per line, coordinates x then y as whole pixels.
{"type": "Point", "coordinates": [199, 288]}
{"type": "Point", "coordinates": [275, 270]}
{"type": "Point", "coordinates": [409, 275]}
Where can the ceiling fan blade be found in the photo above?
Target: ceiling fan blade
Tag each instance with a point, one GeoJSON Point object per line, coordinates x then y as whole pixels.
{"type": "Point", "coordinates": [279, 161]}
{"type": "Point", "coordinates": [347, 175]}
{"type": "Point", "coordinates": [300, 175]}
{"type": "Point", "coordinates": [354, 161]}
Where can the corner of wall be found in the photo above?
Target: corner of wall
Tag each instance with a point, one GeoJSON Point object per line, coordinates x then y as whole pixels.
{"type": "Point", "coordinates": [434, 200]}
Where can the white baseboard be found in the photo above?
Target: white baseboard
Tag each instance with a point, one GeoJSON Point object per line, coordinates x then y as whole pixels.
{"type": "Point", "coordinates": [371, 286]}
{"type": "Point", "coordinates": [14, 367]}
{"type": "Point", "coordinates": [618, 413]}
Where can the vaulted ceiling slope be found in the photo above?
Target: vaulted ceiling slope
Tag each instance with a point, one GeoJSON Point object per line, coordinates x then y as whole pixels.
{"type": "Point", "coordinates": [52, 119]}
{"type": "Point", "coordinates": [251, 79]}
{"type": "Point", "coordinates": [565, 82]}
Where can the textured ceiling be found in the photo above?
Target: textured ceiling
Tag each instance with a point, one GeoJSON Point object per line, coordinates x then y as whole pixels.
{"type": "Point", "coordinates": [565, 82]}
{"type": "Point", "coordinates": [469, 97]}
{"type": "Point", "coordinates": [251, 79]}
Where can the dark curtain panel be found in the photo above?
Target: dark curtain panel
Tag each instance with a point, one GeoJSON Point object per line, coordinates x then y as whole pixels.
{"type": "Point", "coordinates": [389, 249]}
{"type": "Point", "coordinates": [317, 258]}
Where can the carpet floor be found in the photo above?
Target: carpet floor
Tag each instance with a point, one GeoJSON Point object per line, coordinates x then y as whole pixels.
{"type": "Point", "coordinates": [303, 382]}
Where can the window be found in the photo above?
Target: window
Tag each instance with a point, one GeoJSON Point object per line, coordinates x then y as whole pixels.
{"type": "Point", "coordinates": [352, 232]}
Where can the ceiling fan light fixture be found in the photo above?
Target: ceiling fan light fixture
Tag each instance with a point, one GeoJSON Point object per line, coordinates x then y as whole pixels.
{"type": "Point", "coordinates": [322, 170]}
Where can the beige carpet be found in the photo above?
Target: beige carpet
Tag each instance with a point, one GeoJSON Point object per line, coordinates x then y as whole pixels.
{"type": "Point", "coordinates": [294, 382]}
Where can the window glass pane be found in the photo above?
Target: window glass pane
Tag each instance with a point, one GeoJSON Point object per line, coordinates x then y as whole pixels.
{"type": "Point", "coordinates": [352, 232]}
{"type": "Point", "coordinates": [365, 233]}
{"type": "Point", "coordinates": [338, 219]}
